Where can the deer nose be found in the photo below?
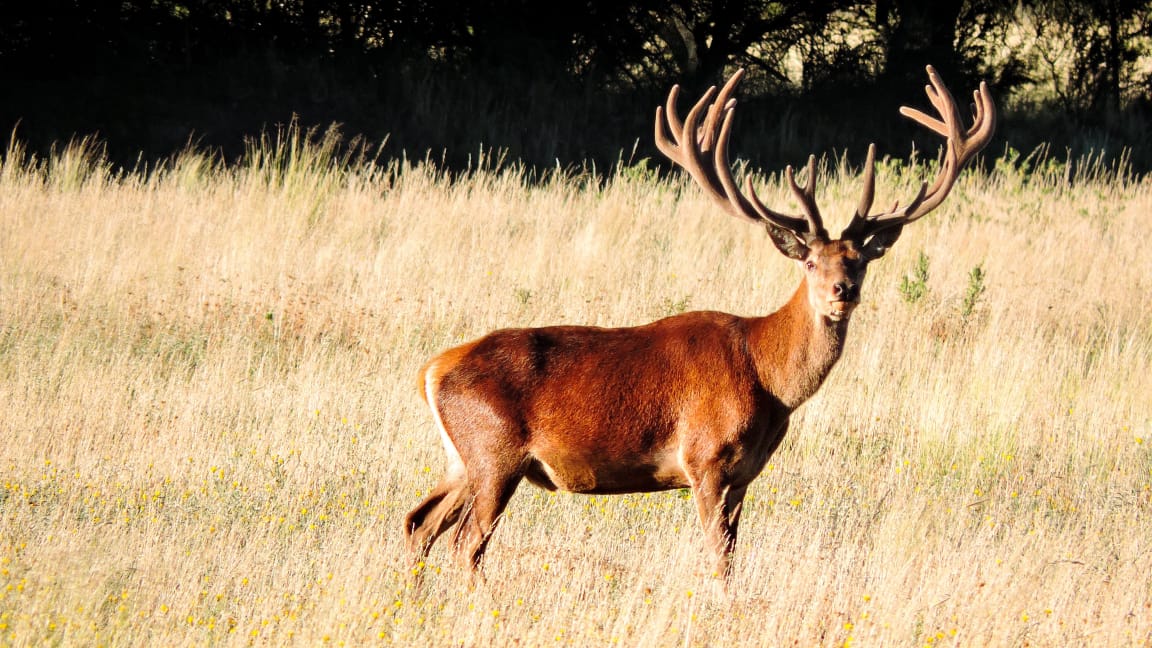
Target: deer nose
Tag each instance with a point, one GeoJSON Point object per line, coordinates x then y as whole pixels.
{"type": "Point", "coordinates": [846, 291]}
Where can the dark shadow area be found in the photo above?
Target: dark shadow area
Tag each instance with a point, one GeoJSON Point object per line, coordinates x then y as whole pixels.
{"type": "Point", "coordinates": [148, 80]}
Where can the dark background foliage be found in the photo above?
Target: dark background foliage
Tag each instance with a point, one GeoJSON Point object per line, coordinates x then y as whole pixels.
{"type": "Point", "coordinates": [567, 82]}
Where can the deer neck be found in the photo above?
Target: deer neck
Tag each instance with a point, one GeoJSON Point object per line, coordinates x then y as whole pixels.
{"type": "Point", "coordinates": [795, 348]}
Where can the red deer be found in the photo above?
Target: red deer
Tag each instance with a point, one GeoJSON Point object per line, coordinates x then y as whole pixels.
{"type": "Point", "coordinates": [698, 400]}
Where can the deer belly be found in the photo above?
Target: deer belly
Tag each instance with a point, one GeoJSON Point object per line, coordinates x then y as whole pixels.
{"type": "Point", "coordinates": [655, 471]}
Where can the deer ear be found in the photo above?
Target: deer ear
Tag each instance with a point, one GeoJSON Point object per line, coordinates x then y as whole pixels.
{"type": "Point", "coordinates": [878, 243]}
{"type": "Point", "coordinates": [787, 242]}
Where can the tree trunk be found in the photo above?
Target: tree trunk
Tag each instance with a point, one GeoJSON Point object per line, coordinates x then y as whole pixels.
{"type": "Point", "coordinates": [924, 33]}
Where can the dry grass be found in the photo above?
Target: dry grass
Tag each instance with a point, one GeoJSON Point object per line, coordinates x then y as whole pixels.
{"type": "Point", "coordinates": [211, 429]}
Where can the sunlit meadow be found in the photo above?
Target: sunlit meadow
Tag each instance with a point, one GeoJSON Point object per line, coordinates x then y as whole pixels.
{"type": "Point", "coordinates": [211, 428]}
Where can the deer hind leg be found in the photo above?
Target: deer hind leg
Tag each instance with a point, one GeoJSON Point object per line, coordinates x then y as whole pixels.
{"type": "Point", "coordinates": [435, 514]}
{"type": "Point", "coordinates": [483, 439]}
{"type": "Point", "coordinates": [441, 508]}
{"type": "Point", "coordinates": [491, 494]}
{"type": "Point", "coordinates": [494, 472]}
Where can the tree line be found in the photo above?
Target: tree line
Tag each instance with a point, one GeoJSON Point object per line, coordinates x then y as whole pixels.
{"type": "Point", "coordinates": [565, 81]}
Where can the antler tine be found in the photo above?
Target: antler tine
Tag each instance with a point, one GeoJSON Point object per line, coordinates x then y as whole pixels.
{"type": "Point", "coordinates": [869, 192]}
{"type": "Point", "coordinates": [962, 144]}
{"type": "Point", "coordinates": [673, 148]}
{"type": "Point", "coordinates": [985, 116]}
{"type": "Point", "coordinates": [977, 110]}
{"type": "Point", "coordinates": [691, 140]}
{"type": "Point", "coordinates": [674, 122]}
{"type": "Point", "coordinates": [752, 203]}
{"type": "Point", "coordinates": [684, 148]}
{"type": "Point", "coordinates": [807, 197]}
{"type": "Point", "coordinates": [691, 143]}
{"type": "Point", "coordinates": [795, 224]}
{"type": "Point", "coordinates": [724, 104]}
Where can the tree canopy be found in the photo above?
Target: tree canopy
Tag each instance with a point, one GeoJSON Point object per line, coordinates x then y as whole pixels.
{"type": "Point", "coordinates": [565, 81]}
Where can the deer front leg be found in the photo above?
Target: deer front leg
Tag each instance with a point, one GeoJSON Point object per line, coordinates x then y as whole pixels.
{"type": "Point", "coordinates": [719, 506]}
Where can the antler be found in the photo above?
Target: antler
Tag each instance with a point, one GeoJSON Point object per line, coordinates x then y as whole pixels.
{"type": "Point", "coordinates": [961, 146]}
{"type": "Point", "coordinates": [702, 151]}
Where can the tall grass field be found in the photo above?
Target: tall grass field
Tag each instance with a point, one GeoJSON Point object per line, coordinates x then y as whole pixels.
{"type": "Point", "coordinates": [211, 429]}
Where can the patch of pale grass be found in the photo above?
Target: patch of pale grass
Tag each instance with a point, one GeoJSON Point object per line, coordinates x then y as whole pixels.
{"type": "Point", "coordinates": [211, 428]}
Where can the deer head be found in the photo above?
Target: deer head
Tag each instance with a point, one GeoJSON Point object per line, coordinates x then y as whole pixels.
{"type": "Point", "coordinates": [834, 268]}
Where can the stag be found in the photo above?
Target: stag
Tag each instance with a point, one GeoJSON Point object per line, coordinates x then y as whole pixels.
{"type": "Point", "coordinates": [699, 400]}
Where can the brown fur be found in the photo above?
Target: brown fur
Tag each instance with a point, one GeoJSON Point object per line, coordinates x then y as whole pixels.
{"type": "Point", "coordinates": [698, 400]}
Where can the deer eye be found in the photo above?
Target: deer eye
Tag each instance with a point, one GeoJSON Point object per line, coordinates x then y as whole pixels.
{"type": "Point", "coordinates": [810, 265]}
